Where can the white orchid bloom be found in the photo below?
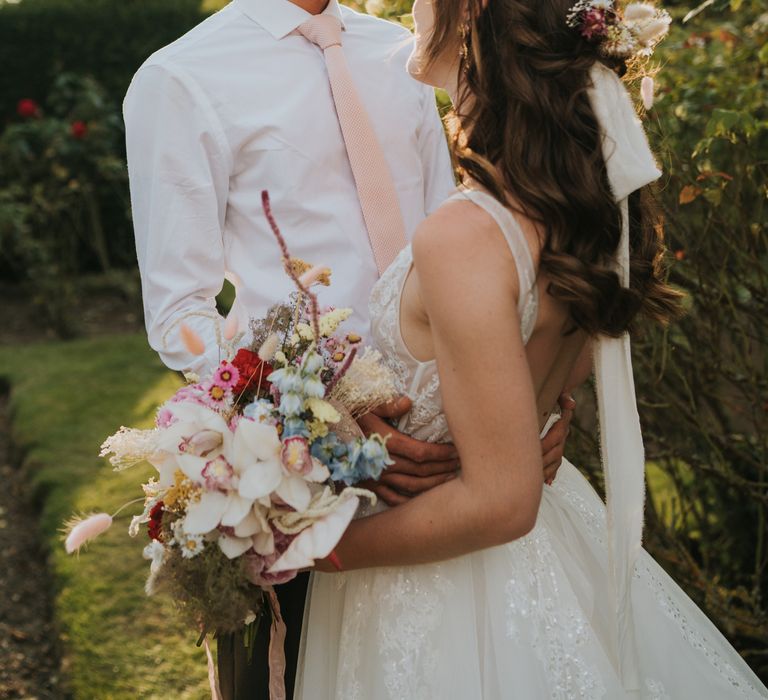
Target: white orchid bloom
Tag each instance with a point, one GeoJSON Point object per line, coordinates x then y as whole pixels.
{"type": "Point", "coordinates": [295, 492]}
{"type": "Point", "coordinates": [195, 430]}
{"type": "Point", "coordinates": [216, 507]}
{"type": "Point", "coordinates": [252, 531]}
{"type": "Point", "coordinates": [255, 455]}
{"type": "Point", "coordinates": [192, 466]}
{"type": "Point", "coordinates": [205, 513]}
{"type": "Point", "coordinates": [166, 466]}
{"type": "Point", "coordinates": [233, 547]}
{"type": "Point", "coordinates": [237, 510]}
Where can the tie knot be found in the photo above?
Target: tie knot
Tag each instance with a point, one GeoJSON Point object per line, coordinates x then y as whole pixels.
{"type": "Point", "coordinates": [323, 30]}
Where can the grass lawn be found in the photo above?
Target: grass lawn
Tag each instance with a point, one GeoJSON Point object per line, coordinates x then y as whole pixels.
{"type": "Point", "coordinates": [66, 397]}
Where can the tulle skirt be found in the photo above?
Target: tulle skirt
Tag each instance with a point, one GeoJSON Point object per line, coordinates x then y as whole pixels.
{"type": "Point", "coordinates": [527, 620]}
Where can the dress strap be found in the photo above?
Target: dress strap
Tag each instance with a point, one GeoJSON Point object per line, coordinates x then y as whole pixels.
{"type": "Point", "coordinates": [514, 236]}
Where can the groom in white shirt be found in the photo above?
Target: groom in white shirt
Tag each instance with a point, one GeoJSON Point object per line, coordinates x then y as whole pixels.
{"type": "Point", "coordinates": [240, 104]}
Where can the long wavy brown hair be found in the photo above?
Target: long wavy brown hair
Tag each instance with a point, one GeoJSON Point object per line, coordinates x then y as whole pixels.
{"type": "Point", "coordinates": [525, 130]}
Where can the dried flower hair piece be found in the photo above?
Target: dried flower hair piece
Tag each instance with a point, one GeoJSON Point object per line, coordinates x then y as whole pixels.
{"type": "Point", "coordinates": [632, 33]}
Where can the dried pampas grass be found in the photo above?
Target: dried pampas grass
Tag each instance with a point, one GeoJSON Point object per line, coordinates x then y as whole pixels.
{"type": "Point", "coordinates": [367, 383]}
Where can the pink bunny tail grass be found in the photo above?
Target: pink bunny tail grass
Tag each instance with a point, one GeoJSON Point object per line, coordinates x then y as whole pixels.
{"type": "Point", "coordinates": [192, 341]}
{"type": "Point", "coordinates": [646, 92]}
{"type": "Point", "coordinates": [230, 326]}
{"type": "Point", "coordinates": [80, 531]}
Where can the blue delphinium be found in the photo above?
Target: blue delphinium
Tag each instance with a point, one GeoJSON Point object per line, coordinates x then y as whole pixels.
{"type": "Point", "coordinates": [295, 427]}
{"type": "Point", "coordinates": [352, 463]}
{"type": "Point", "coordinates": [359, 460]}
{"type": "Point", "coordinates": [369, 458]}
{"type": "Point", "coordinates": [297, 384]}
{"type": "Point", "coordinates": [332, 452]}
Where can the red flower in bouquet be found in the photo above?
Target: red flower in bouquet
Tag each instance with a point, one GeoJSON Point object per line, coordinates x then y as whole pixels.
{"type": "Point", "coordinates": [27, 108]}
{"type": "Point", "coordinates": [155, 525]}
{"type": "Point", "coordinates": [78, 129]}
{"type": "Point", "coordinates": [253, 372]}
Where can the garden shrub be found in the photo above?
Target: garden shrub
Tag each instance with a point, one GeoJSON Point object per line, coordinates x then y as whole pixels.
{"type": "Point", "coordinates": [64, 201]}
{"type": "Point", "coordinates": [63, 195]}
{"type": "Point", "coordinates": [105, 39]}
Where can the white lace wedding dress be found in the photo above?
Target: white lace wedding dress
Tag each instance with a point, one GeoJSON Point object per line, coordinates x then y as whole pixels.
{"type": "Point", "coordinates": [527, 620]}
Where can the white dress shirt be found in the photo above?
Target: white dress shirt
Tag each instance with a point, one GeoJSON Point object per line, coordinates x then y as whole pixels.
{"type": "Point", "coordinates": [240, 104]}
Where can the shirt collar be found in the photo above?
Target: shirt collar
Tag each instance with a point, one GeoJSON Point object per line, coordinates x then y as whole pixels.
{"type": "Point", "coordinates": [281, 17]}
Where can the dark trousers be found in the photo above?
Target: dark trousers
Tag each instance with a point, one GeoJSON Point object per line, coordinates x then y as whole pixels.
{"type": "Point", "coordinates": [240, 680]}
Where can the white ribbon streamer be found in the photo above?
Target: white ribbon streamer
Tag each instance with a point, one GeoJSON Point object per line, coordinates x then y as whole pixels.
{"type": "Point", "coordinates": [630, 165]}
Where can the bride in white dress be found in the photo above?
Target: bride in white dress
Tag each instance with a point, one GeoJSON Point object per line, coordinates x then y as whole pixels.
{"type": "Point", "coordinates": [495, 585]}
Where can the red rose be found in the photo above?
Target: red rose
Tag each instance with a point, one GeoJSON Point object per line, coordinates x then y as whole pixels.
{"type": "Point", "coordinates": [253, 372]}
{"type": "Point", "coordinates": [27, 108]}
{"type": "Point", "coordinates": [155, 525]}
{"type": "Point", "coordinates": [78, 129]}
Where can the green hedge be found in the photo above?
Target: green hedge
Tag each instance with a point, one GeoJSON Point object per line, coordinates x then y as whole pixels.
{"type": "Point", "coordinates": [64, 205]}
{"type": "Point", "coordinates": [107, 39]}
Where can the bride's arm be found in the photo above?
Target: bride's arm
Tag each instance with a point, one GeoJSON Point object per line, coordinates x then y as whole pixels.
{"type": "Point", "coordinates": [468, 286]}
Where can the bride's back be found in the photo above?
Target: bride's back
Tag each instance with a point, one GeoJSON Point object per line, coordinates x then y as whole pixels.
{"type": "Point", "coordinates": [503, 268]}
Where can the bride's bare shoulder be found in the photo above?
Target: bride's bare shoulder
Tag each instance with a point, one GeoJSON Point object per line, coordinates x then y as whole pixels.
{"type": "Point", "coordinates": [460, 235]}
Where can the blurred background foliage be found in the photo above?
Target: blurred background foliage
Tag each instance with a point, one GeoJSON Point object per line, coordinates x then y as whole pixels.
{"type": "Point", "coordinates": [702, 383]}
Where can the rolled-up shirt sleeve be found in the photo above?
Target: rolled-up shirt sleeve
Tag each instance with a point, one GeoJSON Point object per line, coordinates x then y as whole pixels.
{"type": "Point", "coordinates": [178, 164]}
{"type": "Point", "coordinates": [439, 181]}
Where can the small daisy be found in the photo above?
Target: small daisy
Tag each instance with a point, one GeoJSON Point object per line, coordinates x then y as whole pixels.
{"type": "Point", "coordinates": [217, 396]}
{"type": "Point", "coordinates": [226, 376]}
{"type": "Point", "coordinates": [262, 411]}
{"type": "Point", "coordinates": [190, 545]}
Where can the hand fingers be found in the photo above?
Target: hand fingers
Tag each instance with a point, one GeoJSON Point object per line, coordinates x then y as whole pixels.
{"type": "Point", "coordinates": [404, 445]}
{"type": "Point", "coordinates": [553, 459]}
{"type": "Point", "coordinates": [555, 437]}
{"type": "Point", "coordinates": [386, 494]}
{"type": "Point", "coordinates": [403, 465]}
{"type": "Point", "coordinates": [414, 485]}
{"type": "Point", "coordinates": [566, 401]}
{"type": "Point", "coordinates": [394, 409]}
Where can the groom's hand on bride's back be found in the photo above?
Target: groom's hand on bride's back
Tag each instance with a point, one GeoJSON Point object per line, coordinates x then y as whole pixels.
{"type": "Point", "coordinates": [553, 444]}
{"type": "Point", "coordinates": [419, 466]}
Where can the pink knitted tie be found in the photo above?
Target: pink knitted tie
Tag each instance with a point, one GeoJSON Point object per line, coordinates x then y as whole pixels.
{"type": "Point", "coordinates": [373, 179]}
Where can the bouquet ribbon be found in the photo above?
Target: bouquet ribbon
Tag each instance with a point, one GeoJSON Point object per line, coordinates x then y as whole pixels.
{"type": "Point", "coordinates": [276, 649]}
{"type": "Point", "coordinates": [276, 654]}
{"type": "Point", "coordinates": [215, 691]}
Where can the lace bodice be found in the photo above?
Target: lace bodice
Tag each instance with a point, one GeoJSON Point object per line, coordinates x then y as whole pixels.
{"type": "Point", "coordinates": [419, 380]}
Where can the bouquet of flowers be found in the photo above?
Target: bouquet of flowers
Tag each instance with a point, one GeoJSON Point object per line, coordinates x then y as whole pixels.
{"type": "Point", "coordinates": [256, 462]}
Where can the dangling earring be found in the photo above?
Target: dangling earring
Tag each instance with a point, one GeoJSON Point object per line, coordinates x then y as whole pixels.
{"type": "Point", "coordinates": [464, 33]}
